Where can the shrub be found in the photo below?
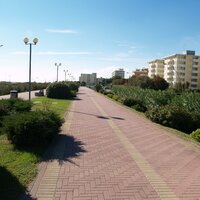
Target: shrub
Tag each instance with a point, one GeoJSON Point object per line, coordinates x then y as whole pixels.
{"type": "Point", "coordinates": [31, 128]}
{"type": "Point", "coordinates": [159, 83]}
{"type": "Point", "coordinates": [110, 95]}
{"type": "Point", "coordinates": [16, 105]}
{"type": "Point", "coordinates": [196, 135]}
{"type": "Point", "coordinates": [139, 107]}
{"type": "Point", "coordinates": [174, 117]}
{"type": "Point", "coordinates": [59, 90]}
{"type": "Point", "coordinates": [98, 87]}
{"type": "Point", "coordinates": [129, 101]}
{"type": "Point", "coordinates": [73, 86]}
{"type": "Point", "coordinates": [116, 97]}
{"type": "Point", "coordinates": [3, 110]}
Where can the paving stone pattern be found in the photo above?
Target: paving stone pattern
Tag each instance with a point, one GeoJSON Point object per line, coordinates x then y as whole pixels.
{"type": "Point", "coordinates": [107, 152]}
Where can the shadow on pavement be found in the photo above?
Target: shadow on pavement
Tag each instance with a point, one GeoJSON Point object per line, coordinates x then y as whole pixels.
{"type": "Point", "coordinates": [63, 149]}
{"type": "Point", "coordinates": [98, 116]}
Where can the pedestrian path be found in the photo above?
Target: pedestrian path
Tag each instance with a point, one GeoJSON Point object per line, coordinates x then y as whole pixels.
{"type": "Point", "coordinates": [107, 152]}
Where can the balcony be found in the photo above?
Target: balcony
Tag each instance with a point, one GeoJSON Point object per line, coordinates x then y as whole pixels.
{"type": "Point", "coordinates": [195, 60]}
{"type": "Point", "coordinates": [152, 66]}
{"type": "Point", "coordinates": [194, 77]}
{"type": "Point", "coordinates": [180, 60]}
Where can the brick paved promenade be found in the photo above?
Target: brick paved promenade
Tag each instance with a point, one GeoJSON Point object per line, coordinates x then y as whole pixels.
{"type": "Point", "coordinates": [107, 152]}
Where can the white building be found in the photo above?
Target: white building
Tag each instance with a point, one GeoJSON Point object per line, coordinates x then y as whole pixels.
{"type": "Point", "coordinates": [178, 68]}
{"type": "Point", "coordinates": [119, 72]}
{"type": "Point", "coordinates": [89, 79]}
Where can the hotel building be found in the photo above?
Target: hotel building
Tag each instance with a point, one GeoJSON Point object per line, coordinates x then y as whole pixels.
{"type": "Point", "coordinates": [178, 68]}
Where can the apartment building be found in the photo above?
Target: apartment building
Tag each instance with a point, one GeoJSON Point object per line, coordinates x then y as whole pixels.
{"type": "Point", "coordinates": [89, 79]}
{"type": "Point", "coordinates": [119, 72]}
{"type": "Point", "coordinates": [156, 68]}
{"type": "Point", "coordinates": [178, 68]}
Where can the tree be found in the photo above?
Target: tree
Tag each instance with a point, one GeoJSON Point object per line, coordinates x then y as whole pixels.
{"type": "Point", "coordinates": [141, 81]}
{"type": "Point", "coordinates": [159, 83]}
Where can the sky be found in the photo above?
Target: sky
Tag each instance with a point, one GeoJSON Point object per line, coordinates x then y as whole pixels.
{"type": "Point", "coordinates": [92, 36]}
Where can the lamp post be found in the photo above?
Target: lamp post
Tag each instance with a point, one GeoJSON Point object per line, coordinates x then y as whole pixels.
{"type": "Point", "coordinates": [26, 41]}
{"type": "Point", "coordinates": [57, 65]}
{"type": "Point", "coordinates": [65, 71]}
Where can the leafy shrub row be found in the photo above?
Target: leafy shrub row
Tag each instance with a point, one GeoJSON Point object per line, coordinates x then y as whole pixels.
{"type": "Point", "coordinates": [62, 90]}
{"type": "Point", "coordinates": [165, 107]}
{"type": "Point", "coordinates": [175, 117]}
{"type": "Point", "coordinates": [31, 128]}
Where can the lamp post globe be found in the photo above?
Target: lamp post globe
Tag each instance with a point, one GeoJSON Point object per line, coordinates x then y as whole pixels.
{"type": "Point", "coordinates": [26, 41]}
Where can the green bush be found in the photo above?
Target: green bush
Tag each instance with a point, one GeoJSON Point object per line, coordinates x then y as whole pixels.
{"type": "Point", "coordinates": [110, 95]}
{"type": "Point", "coordinates": [16, 105]}
{"type": "Point", "coordinates": [98, 87]}
{"type": "Point", "coordinates": [59, 90]}
{"type": "Point", "coordinates": [196, 135]}
{"type": "Point", "coordinates": [174, 117]}
{"type": "Point", "coordinates": [3, 110]}
{"type": "Point", "coordinates": [116, 97]}
{"type": "Point", "coordinates": [31, 128]}
{"type": "Point", "coordinates": [73, 86]}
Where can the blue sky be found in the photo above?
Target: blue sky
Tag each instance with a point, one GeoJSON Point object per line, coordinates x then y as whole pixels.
{"type": "Point", "coordinates": [93, 35]}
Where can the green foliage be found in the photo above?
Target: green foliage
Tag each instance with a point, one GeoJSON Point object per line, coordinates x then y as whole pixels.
{"type": "Point", "coordinates": [174, 117]}
{"type": "Point", "coordinates": [59, 90]}
{"type": "Point", "coordinates": [98, 87]}
{"type": "Point", "coordinates": [73, 86]}
{"type": "Point", "coordinates": [141, 81]}
{"type": "Point", "coordinates": [196, 135]}
{"type": "Point", "coordinates": [159, 83]}
{"type": "Point", "coordinates": [110, 95]}
{"type": "Point", "coordinates": [165, 107]}
{"type": "Point", "coordinates": [83, 83]}
{"type": "Point", "coordinates": [31, 128]}
{"type": "Point", "coordinates": [118, 81]}
{"type": "Point", "coordinates": [16, 105]}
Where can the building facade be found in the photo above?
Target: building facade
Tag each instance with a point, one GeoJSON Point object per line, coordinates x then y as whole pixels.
{"type": "Point", "coordinates": [156, 68]}
{"type": "Point", "coordinates": [119, 72]}
{"type": "Point", "coordinates": [178, 68]}
{"type": "Point", "coordinates": [140, 72]}
{"type": "Point", "coordinates": [89, 79]}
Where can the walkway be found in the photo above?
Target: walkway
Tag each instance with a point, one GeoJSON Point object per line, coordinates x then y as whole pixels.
{"type": "Point", "coordinates": [112, 153]}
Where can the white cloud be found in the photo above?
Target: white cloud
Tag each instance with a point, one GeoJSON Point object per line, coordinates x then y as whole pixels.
{"type": "Point", "coordinates": [62, 31]}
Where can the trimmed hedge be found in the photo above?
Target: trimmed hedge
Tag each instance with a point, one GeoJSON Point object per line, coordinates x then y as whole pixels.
{"type": "Point", "coordinates": [59, 90]}
{"type": "Point", "coordinates": [31, 128]}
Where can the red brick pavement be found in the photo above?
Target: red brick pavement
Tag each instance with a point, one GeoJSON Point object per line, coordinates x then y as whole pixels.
{"type": "Point", "coordinates": [101, 166]}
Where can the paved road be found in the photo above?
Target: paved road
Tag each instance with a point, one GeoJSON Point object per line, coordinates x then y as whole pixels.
{"type": "Point", "coordinates": [107, 152]}
{"type": "Point", "coordinates": [23, 95]}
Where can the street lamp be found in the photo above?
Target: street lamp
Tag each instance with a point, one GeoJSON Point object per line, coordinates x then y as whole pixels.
{"type": "Point", "coordinates": [26, 41]}
{"type": "Point", "coordinates": [57, 65]}
{"type": "Point", "coordinates": [65, 71]}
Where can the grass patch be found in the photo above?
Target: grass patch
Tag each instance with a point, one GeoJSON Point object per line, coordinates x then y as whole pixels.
{"type": "Point", "coordinates": [19, 166]}
{"type": "Point", "coordinates": [58, 105]}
